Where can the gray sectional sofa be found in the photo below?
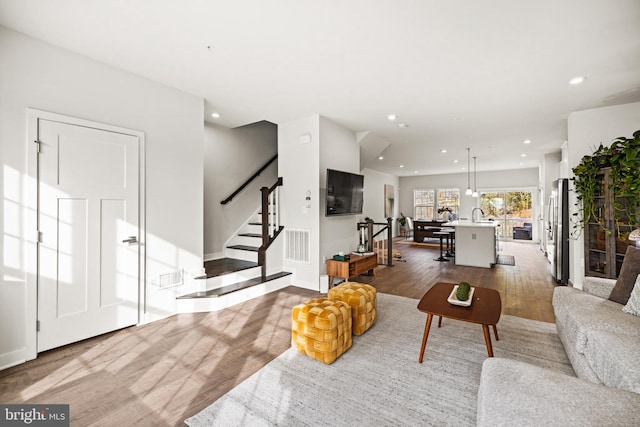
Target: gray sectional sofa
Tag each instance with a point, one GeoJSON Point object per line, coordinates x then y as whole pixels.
{"type": "Point", "coordinates": [603, 345]}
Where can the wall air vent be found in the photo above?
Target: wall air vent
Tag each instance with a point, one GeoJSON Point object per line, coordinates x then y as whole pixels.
{"type": "Point", "coordinates": [297, 245]}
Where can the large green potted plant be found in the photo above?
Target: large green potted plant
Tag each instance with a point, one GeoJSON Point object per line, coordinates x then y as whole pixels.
{"type": "Point", "coordinates": [402, 220]}
{"type": "Point", "coordinates": [587, 186]}
{"type": "Point", "coordinates": [625, 181]}
{"type": "Point", "coordinates": [623, 159]}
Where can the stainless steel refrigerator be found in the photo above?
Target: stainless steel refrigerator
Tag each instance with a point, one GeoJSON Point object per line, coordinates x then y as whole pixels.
{"type": "Point", "coordinates": [558, 231]}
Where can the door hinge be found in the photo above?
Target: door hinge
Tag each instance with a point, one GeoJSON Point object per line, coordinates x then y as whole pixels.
{"type": "Point", "coordinates": [38, 236]}
{"type": "Point", "coordinates": [37, 326]}
{"type": "Point", "coordinates": [37, 146]}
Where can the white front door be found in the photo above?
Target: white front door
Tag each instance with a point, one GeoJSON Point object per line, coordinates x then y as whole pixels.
{"type": "Point", "coordinates": [88, 205]}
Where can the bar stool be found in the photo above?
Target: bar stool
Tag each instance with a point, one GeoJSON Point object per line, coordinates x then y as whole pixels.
{"type": "Point", "coordinates": [441, 235]}
{"type": "Point", "coordinates": [450, 238]}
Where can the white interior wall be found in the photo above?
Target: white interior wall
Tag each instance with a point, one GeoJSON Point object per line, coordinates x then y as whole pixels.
{"type": "Point", "coordinates": [339, 151]}
{"type": "Point", "coordinates": [306, 148]}
{"type": "Point", "coordinates": [41, 76]}
{"type": "Point", "coordinates": [374, 198]}
{"type": "Point", "coordinates": [298, 165]}
{"type": "Point", "coordinates": [487, 181]}
{"type": "Point", "coordinates": [231, 156]}
{"type": "Point", "coordinates": [587, 129]}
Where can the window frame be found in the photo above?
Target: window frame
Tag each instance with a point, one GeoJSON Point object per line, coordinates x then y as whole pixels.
{"type": "Point", "coordinates": [436, 195]}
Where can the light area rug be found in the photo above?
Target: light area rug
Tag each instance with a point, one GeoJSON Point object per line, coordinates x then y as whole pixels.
{"type": "Point", "coordinates": [430, 243]}
{"type": "Point", "coordinates": [379, 382]}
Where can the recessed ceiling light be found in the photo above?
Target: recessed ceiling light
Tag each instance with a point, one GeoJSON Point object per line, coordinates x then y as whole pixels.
{"type": "Point", "coordinates": [415, 171]}
{"type": "Point", "coordinates": [577, 80]}
{"type": "Point", "coordinates": [401, 166]}
{"type": "Point", "coordinates": [455, 161]}
{"type": "Point", "coordinates": [215, 115]}
{"type": "Point", "coordinates": [403, 125]}
{"type": "Point", "coordinates": [392, 117]}
{"type": "Point", "coordinates": [380, 158]}
{"type": "Point", "coordinates": [521, 164]}
{"type": "Point", "coordinates": [523, 155]}
{"type": "Point", "coordinates": [444, 150]}
{"type": "Point", "coordinates": [526, 141]}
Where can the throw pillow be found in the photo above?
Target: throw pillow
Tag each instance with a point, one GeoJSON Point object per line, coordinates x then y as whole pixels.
{"type": "Point", "coordinates": [627, 278]}
{"type": "Point", "coordinates": [633, 305]}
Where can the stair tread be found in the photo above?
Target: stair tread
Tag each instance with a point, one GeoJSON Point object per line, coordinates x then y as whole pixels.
{"type": "Point", "coordinates": [244, 248]}
{"type": "Point", "coordinates": [258, 235]}
{"type": "Point", "coordinates": [222, 266]}
{"type": "Point", "coordinates": [213, 293]}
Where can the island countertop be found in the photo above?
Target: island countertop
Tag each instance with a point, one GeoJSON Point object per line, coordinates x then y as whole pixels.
{"type": "Point", "coordinates": [475, 242]}
{"type": "Point", "coordinates": [463, 223]}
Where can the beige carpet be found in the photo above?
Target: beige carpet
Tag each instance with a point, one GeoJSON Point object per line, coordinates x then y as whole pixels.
{"type": "Point", "coordinates": [379, 380]}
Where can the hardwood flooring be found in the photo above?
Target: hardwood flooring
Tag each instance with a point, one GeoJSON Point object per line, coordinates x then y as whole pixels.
{"type": "Point", "coordinates": [163, 372]}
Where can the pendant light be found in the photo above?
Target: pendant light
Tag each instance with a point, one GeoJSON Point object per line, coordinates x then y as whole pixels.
{"type": "Point", "coordinates": [468, 193]}
{"type": "Point", "coordinates": [475, 179]}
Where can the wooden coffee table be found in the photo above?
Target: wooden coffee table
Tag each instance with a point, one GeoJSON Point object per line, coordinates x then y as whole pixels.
{"type": "Point", "coordinates": [485, 309]}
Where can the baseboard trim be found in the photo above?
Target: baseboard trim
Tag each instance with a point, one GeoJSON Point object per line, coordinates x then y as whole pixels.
{"type": "Point", "coordinates": [215, 255]}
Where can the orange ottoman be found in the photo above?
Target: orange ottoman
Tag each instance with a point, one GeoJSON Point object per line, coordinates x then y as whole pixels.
{"type": "Point", "coordinates": [362, 299]}
{"type": "Point", "coordinates": [321, 329]}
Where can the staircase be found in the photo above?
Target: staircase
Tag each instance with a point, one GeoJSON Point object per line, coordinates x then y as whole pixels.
{"type": "Point", "coordinates": [242, 274]}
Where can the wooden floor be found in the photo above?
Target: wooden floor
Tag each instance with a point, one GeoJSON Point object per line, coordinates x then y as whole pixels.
{"type": "Point", "coordinates": [161, 373]}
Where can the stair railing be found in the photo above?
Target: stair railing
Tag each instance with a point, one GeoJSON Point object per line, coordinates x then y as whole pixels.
{"type": "Point", "coordinates": [270, 221]}
{"type": "Point", "coordinates": [248, 181]}
{"type": "Point", "coordinates": [379, 246]}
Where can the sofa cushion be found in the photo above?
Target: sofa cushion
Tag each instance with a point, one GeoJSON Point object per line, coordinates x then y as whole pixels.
{"type": "Point", "coordinates": [579, 312]}
{"type": "Point", "coordinates": [627, 277]}
{"type": "Point", "coordinates": [615, 358]}
{"type": "Point", "coordinates": [633, 305]}
{"type": "Point", "coordinates": [516, 393]}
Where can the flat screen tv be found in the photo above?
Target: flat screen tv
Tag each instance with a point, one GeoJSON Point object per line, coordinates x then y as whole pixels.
{"type": "Point", "coordinates": [345, 193]}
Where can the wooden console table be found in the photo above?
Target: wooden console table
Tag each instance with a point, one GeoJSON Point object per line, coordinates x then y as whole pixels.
{"type": "Point", "coordinates": [352, 267]}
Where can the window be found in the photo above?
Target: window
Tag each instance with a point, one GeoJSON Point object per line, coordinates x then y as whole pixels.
{"type": "Point", "coordinates": [510, 208]}
{"type": "Point", "coordinates": [426, 203]}
{"type": "Point", "coordinates": [449, 199]}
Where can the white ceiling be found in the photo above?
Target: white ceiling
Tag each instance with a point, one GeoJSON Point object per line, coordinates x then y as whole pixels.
{"type": "Point", "coordinates": [461, 73]}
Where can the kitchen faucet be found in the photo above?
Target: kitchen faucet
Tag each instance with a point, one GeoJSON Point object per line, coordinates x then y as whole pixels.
{"type": "Point", "coordinates": [473, 214]}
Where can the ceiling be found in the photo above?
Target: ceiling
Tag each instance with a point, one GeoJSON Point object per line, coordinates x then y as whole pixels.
{"type": "Point", "coordinates": [462, 73]}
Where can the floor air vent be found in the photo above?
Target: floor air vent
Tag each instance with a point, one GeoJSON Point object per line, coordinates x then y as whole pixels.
{"type": "Point", "coordinates": [297, 245]}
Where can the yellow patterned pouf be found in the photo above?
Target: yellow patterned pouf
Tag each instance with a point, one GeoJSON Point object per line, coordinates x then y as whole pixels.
{"type": "Point", "coordinates": [362, 299]}
{"type": "Point", "coordinates": [321, 329]}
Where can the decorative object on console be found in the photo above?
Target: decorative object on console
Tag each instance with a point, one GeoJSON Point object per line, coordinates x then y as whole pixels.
{"type": "Point", "coordinates": [627, 278]}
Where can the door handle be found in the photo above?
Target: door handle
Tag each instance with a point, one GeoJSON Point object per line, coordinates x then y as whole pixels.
{"type": "Point", "coordinates": [132, 240]}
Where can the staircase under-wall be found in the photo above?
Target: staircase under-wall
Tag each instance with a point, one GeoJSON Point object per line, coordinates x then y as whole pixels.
{"type": "Point", "coordinates": [224, 266]}
{"type": "Point", "coordinates": [242, 274]}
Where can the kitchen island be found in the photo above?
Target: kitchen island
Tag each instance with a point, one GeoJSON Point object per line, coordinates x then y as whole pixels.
{"type": "Point", "coordinates": [476, 242]}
